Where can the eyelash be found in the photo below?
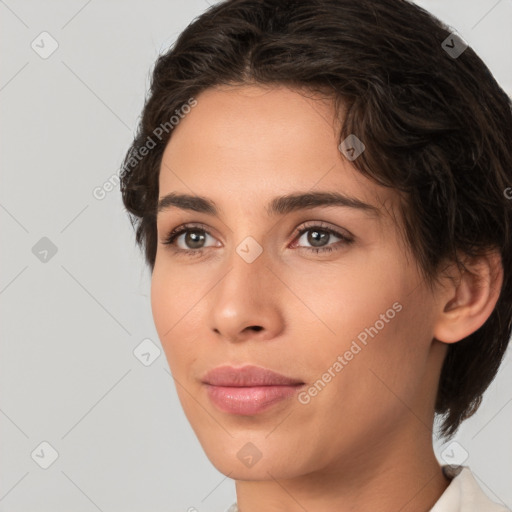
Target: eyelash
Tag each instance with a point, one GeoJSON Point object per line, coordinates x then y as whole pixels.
{"type": "Point", "coordinates": [175, 233]}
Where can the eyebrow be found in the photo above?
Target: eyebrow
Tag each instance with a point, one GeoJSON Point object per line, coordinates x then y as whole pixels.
{"type": "Point", "coordinates": [277, 206]}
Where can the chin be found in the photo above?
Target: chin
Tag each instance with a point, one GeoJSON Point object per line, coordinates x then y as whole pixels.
{"type": "Point", "coordinates": [262, 470]}
{"type": "Point", "coordinates": [241, 459]}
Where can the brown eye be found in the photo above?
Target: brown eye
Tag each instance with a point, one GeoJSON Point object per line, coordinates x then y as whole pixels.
{"type": "Point", "coordinates": [194, 239]}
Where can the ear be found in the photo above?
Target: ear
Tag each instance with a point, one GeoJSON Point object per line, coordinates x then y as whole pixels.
{"type": "Point", "coordinates": [468, 298]}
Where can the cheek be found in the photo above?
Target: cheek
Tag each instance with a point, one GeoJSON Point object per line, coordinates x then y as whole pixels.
{"type": "Point", "coordinates": [174, 294]}
{"type": "Point", "coordinates": [161, 303]}
{"type": "Point", "coordinates": [390, 368]}
{"type": "Point", "coordinates": [171, 303]}
{"type": "Point", "coordinates": [352, 296]}
{"type": "Point", "coordinates": [375, 383]}
{"type": "Point", "coordinates": [378, 319]}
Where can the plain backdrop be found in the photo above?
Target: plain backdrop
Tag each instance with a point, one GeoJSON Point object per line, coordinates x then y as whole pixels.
{"type": "Point", "coordinates": [86, 423]}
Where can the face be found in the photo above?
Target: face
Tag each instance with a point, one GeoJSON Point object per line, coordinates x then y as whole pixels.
{"type": "Point", "coordinates": [324, 293]}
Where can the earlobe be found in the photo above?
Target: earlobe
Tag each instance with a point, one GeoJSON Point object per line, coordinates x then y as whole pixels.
{"type": "Point", "coordinates": [467, 301]}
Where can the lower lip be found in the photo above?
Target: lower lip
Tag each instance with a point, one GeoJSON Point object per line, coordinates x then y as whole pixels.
{"type": "Point", "coordinates": [248, 400]}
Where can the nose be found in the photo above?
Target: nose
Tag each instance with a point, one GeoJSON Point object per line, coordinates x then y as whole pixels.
{"type": "Point", "coordinates": [246, 303]}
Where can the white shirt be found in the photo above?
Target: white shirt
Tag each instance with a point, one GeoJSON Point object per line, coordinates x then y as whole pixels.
{"type": "Point", "coordinates": [463, 494]}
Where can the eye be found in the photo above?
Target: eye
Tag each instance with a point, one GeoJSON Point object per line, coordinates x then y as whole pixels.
{"type": "Point", "coordinates": [188, 239]}
{"type": "Point", "coordinates": [318, 236]}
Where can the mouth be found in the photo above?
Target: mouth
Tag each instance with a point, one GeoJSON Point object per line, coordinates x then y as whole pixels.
{"type": "Point", "coordinates": [248, 390]}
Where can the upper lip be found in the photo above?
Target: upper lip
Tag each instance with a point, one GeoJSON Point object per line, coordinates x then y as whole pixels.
{"type": "Point", "coordinates": [247, 376]}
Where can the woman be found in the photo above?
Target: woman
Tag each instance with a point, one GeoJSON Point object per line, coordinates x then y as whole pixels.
{"type": "Point", "coordinates": [319, 190]}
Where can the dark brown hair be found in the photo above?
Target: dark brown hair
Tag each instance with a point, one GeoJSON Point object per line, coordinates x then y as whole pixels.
{"type": "Point", "coordinates": [437, 128]}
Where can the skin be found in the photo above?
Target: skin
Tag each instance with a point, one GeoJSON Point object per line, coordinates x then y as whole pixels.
{"type": "Point", "coordinates": [365, 441]}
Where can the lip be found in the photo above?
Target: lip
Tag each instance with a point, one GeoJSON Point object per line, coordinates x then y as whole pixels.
{"type": "Point", "coordinates": [248, 390]}
{"type": "Point", "coordinates": [247, 376]}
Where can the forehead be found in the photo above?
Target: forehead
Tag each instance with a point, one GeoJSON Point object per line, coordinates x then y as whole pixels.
{"type": "Point", "coordinates": [248, 144]}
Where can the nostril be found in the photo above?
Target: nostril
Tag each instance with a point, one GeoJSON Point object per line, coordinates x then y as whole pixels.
{"type": "Point", "coordinates": [256, 327]}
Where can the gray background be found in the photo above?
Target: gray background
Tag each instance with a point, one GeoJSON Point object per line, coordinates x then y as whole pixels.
{"type": "Point", "coordinates": [72, 320]}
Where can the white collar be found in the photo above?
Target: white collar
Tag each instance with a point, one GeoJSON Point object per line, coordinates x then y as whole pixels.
{"type": "Point", "coordinates": [463, 494]}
